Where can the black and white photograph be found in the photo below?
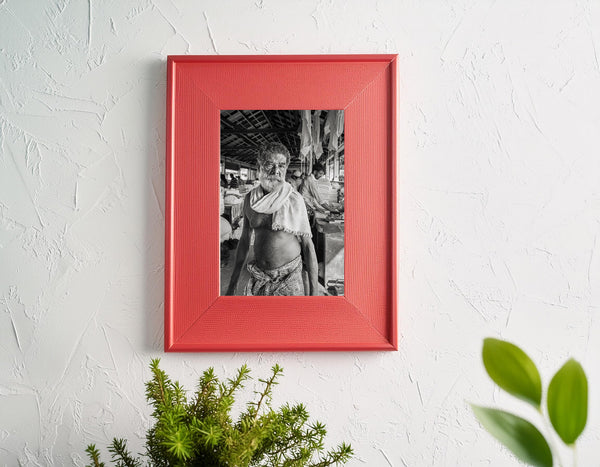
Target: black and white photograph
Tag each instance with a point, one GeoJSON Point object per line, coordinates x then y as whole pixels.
{"type": "Point", "coordinates": [282, 202]}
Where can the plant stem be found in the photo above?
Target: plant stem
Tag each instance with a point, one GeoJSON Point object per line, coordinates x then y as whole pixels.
{"type": "Point", "coordinates": [574, 449]}
{"type": "Point", "coordinates": [267, 391]}
{"type": "Point", "coordinates": [550, 437]}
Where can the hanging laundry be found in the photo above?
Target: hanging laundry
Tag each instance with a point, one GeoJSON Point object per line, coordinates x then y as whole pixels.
{"type": "Point", "coordinates": [305, 135]}
{"type": "Point", "coordinates": [317, 146]}
{"type": "Point", "coordinates": [335, 125]}
{"type": "Point", "coordinates": [328, 123]}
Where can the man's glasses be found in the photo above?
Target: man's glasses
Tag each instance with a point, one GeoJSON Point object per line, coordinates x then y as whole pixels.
{"type": "Point", "coordinates": [268, 166]}
{"type": "Point", "coordinates": [295, 177]}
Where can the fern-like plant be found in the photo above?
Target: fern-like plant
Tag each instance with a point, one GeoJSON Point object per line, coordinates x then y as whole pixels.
{"type": "Point", "coordinates": [199, 431]}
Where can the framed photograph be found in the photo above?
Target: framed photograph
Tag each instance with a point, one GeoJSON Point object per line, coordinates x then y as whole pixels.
{"type": "Point", "coordinates": [281, 203]}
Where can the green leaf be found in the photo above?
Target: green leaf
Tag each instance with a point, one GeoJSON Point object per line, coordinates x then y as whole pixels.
{"type": "Point", "coordinates": [94, 456]}
{"type": "Point", "coordinates": [179, 444]}
{"type": "Point", "coordinates": [522, 438]}
{"type": "Point", "coordinates": [512, 370]}
{"type": "Point", "coordinates": [568, 401]}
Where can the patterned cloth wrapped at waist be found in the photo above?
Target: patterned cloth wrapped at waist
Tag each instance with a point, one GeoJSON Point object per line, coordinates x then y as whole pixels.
{"type": "Point", "coordinates": [285, 280]}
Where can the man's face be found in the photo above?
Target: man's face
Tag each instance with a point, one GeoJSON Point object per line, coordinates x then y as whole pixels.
{"type": "Point", "coordinates": [319, 174]}
{"type": "Point", "coordinates": [271, 173]}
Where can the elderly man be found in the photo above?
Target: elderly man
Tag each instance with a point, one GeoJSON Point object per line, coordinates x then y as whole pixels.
{"type": "Point", "coordinates": [276, 214]}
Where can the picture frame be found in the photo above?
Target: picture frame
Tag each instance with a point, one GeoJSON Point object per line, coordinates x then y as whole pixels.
{"type": "Point", "coordinates": [197, 317]}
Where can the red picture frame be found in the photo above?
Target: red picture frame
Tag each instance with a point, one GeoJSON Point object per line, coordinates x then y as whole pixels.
{"type": "Point", "coordinates": [197, 317]}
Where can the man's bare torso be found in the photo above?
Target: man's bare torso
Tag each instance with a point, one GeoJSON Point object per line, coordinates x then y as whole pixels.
{"type": "Point", "coordinates": [272, 248]}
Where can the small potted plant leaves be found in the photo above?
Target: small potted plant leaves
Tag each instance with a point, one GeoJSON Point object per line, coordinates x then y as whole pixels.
{"type": "Point", "coordinates": [199, 431]}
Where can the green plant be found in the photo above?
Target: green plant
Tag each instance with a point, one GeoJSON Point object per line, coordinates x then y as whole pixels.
{"type": "Point", "coordinates": [566, 402]}
{"type": "Point", "coordinates": [199, 431]}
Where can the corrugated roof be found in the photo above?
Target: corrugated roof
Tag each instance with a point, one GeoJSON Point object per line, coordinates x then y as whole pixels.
{"type": "Point", "coordinates": [244, 131]}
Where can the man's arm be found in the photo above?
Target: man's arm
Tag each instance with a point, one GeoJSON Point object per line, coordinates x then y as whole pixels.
{"type": "Point", "coordinates": [240, 255]}
{"type": "Point", "coordinates": [310, 261]}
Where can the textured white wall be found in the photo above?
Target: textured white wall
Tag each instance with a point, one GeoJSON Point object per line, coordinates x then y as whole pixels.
{"type": "Point", "coordinates": [499, 217]}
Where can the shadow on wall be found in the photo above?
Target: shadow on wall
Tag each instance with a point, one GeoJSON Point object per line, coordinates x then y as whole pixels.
{"type": "Point", "coordinates": [155, 84]}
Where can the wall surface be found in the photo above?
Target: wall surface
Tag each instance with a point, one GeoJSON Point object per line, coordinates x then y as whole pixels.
{"type": "Point", "coordinates": [499, 216]}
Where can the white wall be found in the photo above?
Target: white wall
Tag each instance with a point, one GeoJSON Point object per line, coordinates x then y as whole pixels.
{"type": "Point", "coordinates": [499, 215]}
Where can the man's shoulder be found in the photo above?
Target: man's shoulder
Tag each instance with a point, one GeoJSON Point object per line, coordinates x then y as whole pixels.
{"type": "Point", "coordinates": [297, 201]}
{"type": "Point", "coordinates": [246, 202]}
{"type": "Point", "coordinates": [311, 182]}
{"type": "Point", "coordinates": [295, 196]}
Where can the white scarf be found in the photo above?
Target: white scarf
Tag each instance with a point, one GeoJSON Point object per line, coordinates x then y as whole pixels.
{"type": "Point", "coordinates": [287, 207]}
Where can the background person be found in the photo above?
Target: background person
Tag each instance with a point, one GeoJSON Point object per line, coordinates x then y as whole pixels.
{"type": "Point", "coordinates": [310, 191]}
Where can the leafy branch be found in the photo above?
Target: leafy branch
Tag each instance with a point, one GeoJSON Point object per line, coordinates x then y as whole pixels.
{"type": "Point", "coordinates": [567, 402]}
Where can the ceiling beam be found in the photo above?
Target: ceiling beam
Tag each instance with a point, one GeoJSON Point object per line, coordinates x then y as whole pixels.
{"type": "Point", "coordinates": [244, 131]}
